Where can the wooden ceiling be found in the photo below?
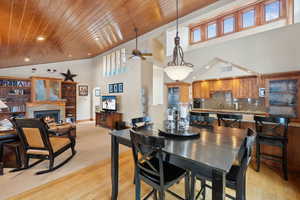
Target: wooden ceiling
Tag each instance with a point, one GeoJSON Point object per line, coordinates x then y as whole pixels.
{"type": "Point", "coordinates": [76, 29]}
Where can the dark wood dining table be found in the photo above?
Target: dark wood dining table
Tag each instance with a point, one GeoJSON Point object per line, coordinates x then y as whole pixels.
{"type": "Point", "coordinates": [211, 155]}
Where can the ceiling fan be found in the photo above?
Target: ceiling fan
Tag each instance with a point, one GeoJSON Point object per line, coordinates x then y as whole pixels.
{"type": "Point", "coordinates": [136, 52]}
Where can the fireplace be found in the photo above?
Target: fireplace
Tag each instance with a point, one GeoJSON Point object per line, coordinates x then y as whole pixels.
{"type": "Point", "coordinates": [54, 114]}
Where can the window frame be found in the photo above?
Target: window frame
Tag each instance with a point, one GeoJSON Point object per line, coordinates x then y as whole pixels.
{"type": "Point", "coordinates": [242, 19]}
{"type": "Point", "coordinates": [217, 29]}
{"type": "Point", "coordinates": [192, 34]}
{"type": "Point", "coordinates": [259, 19]}
{"type": "Point", "coordinates": [234, 25]}
{"type": "Point", "coordinates": [282, 10]}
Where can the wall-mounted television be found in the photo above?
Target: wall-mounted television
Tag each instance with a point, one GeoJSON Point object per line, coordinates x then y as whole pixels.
{"type": "Point", "coordinates": [109, 103]}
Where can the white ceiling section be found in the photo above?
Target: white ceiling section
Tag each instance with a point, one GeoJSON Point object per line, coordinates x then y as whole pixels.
{"type": "Point", "coordinates": [297, 11]}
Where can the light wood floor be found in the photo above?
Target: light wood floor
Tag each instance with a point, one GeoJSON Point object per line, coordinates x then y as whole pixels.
{"type": "Point", "coordinates": [94, 183]}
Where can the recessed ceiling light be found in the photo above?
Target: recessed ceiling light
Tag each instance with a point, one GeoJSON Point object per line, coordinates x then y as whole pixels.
{"type": "Point", "coordinates": [89, 54]}
{"type": "Point", "coordinates": [207, 67]}
{"type": "Point", "coordinates": [70, 55]}
{"type": "Point", "coordinates": [26, 59]}
{"type": "Point", "coordinates": [96, 38]}
{"type": "Point", "coordinates": [40, 38]}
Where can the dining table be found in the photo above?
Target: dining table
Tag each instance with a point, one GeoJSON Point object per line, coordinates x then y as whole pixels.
{"type": "Point", "coordinates": [211, 154]}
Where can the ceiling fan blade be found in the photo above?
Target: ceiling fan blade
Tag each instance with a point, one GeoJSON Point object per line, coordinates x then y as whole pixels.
{"type": "Point", "coordinates": [146, 54]}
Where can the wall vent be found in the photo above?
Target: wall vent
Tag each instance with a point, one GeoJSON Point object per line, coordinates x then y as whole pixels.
{"type": "Point", "coordinates": [226, 69]}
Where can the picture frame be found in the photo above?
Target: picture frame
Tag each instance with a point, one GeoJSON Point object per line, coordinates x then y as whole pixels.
{"type": "Point", "coordinates": [97, 92]}
{"type": "Point", "coordinates": [120, 87]}
{"type": "Point", "coordinates": [115, 88]}
{"type": "Point", "coordinates": [83, 90]}
{"type": "Point", "coordinates": [111, 88]}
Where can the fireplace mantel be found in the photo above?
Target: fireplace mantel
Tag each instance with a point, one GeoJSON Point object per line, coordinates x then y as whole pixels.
{"type": "Point", "coordinates": [38, 103]}
{"type": "Point", "coordinates": [31, 107]}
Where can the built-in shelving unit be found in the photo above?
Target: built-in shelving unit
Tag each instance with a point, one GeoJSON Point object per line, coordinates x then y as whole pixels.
{"type": "Point", "coordinates": [68, 91]}
{"type": "Point", "coordinates": [15, 93]}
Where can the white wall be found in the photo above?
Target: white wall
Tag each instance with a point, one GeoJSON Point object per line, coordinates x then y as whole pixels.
{"type": "Point", "coordinates": [82, 68]}
{"type": "Point", "coordinates": [297, 10]}
{"type": "Point", "coordinates": [277, 50]}
{"type": "Point", "coordinates": [156, 112]}
{"type": "Point", "coordinates": [130, 102]}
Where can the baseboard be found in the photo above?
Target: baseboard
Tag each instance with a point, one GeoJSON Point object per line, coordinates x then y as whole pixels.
{"type": "Point", "coordinates": [84, 120]}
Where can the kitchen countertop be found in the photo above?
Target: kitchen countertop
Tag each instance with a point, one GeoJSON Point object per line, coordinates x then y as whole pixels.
{"type": "Point", "coordinates": [247, 115]}
{"type": "Point", "coordinates": [229, 111]}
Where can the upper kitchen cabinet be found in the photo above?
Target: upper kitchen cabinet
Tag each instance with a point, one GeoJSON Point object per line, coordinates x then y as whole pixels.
{"type": "Point", "coordinates": [245, 88]}
{"type": "Point", "coordinates": [221, 85]}
{"type": "Point", "coordinates": [201, 89]}
{"type": "Point", "coordinates": [179, 91]}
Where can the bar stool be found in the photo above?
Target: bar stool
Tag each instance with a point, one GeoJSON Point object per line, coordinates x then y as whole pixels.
{"type": "Point", "coordinates": [201, 120]}
{"type": "Point", "coordinates": [272, 131]}
{"type": "Point", "coordinates": [230, 120]}
{"type": "Point", "coordinates": [235, 178]}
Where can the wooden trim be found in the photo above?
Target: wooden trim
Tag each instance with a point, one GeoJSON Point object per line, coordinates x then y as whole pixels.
{"type": "Point", "coordinates": [32, 104]}
{"type": "Point", "coordinates": [46, 78]}
{"type": "Point", "coordinates": [290, 11]}
{"type": "Point", "coordinates": [262, 76]}
{"type": "Point", "coordinates": [172, 84]}
{"type": "Point", "coordinates": [15, 78]}
{"type": "Point", "coordinates": [84, 120]}
{"type": "Point", "coordinates": [69, 82]}
{"type": "Point", "coordinates": [282, 74]}
{"type": "Point", "coordinates": [227, 78]}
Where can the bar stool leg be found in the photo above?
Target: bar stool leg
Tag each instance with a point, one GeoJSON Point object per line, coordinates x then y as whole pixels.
{"type": "Point", "coordinates": [257, 156]}
{"type": "Point", "coordinates": [161, 195]}
{"type": "Point", "coordinates": [284, 162]}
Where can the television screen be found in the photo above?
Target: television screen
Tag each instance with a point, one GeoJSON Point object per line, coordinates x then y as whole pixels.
{"type": "Point", "coordinates": [109, 103]}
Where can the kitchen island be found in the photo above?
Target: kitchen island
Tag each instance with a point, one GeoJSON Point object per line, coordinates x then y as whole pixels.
{"type": "Point", "coordinates": [248, 122]}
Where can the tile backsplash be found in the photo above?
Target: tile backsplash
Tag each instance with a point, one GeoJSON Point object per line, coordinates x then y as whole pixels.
{"type": "Point", "coordinates": [224, 101]}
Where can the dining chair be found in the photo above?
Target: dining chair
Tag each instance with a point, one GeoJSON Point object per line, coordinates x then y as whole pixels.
{"type": "Point", "coordinates": [230, 120]}
{"type": "Point", "coordinates": [151, 168]}
{"type": "Point", "coordinates": [200, 120]}
{"type": "Point", "coordinates": [140, 122]}
{"type": "Point", "coordinates": [272, 131]}
{"type": "Point", "coordinates": [37, 143]}
{"type": "Point", "coordinates": [235, 178]}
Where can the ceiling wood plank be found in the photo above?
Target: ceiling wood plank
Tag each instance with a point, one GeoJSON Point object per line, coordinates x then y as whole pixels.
{"type": "Point", "coordinates": [70, 27]}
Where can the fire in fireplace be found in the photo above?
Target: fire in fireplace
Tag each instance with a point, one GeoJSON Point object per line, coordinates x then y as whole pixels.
{"type": "Point", "coordinates": [50, 114]}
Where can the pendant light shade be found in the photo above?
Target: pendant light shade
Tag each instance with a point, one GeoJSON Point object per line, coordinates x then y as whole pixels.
{"type": "Point", "coordinates": [178, 69]}
{"type": "Point", "coordinates": [178, 73]}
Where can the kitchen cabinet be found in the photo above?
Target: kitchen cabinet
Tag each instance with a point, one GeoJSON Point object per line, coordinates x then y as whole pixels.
{"type": "Point", "coordinates": [183, 91]}
{"type": "Point", "coordinates": [245, 88]}
{"type": "Point", "coordinates": [221, 85]}
{"type": "Point", "coordinates": [201, 90]}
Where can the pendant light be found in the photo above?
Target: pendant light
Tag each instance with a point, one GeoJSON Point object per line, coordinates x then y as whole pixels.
{"type": "Point", "coordinates": [178, 69]}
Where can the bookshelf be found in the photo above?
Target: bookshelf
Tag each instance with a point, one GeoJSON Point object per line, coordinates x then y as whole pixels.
{"type": "Point", "coordinates": [68, 91]}
{"type": "Point", "coordinates": [14, 92]}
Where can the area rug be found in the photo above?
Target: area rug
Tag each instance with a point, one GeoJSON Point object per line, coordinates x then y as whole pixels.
{"type": "Point", "coordinates": [92, 146]}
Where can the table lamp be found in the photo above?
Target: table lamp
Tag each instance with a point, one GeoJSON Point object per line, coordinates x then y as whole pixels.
{"type": "Point", "coordinates": [2, 105]}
